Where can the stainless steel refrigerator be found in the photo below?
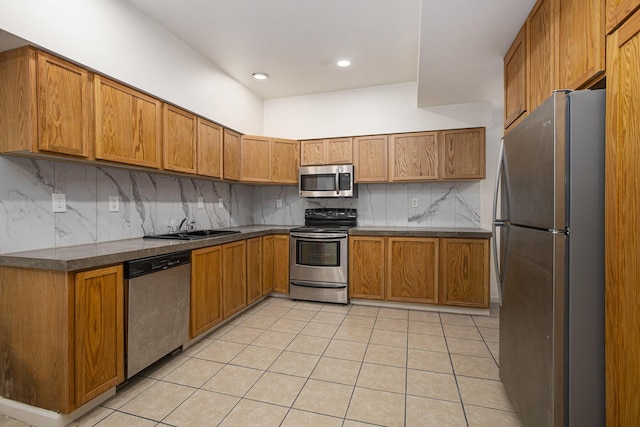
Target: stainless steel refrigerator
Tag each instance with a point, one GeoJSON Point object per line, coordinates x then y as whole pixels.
{"type": "Point", "coordinates": [549, 251]}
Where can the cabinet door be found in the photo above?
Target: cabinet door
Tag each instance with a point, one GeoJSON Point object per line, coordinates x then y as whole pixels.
{"type": "Point", "coordinates": [128, 126]}
{"type": "Point", "coordinates": [267, 264]}
{"type": "Point", "coordinates": [464, 272]}
{"type": "Point", "coordinates": [285, 160]}
{"type": "Point", "coordinates": [462, 154]}
{"type": "Point", "coordinates": [313, 152]}
{"type": "Point", "coordinates": [366, 267]}
{"type": "Point", "coordinates": [581, 40]}
{"type": "Point", "coordinates": [234, 277]}
{"type": "Point", "coordinates": [254, 269]}
{"type": "Point", "coordinates": [231, 155]}
{"type": "Point", "coordinates": [618, 10]}
{"type": "Point", "coordinates": [206, 289]}
{"type": "Point", "coordinates": [99, 334]}
{"type": "Point", "coordinates": [622, 228]}
{"type": "Point", "coordinates": [281, 263]}
{"type": "Point", "coordinates": [370, 158]}
{"type": "Point", "coordinates": [412, 269]}
{"type": "Point", "coordinates": [65, 107]}
{"type": "Point", "coordinates": [209, 152]}
{"type": "Point", "coordinates": [413, 156]}
{"type": "Point", "coordinates": [179, 138]}
{"type": "Point", "coordinates": [540, 43]}
{"type": "Point", "coordinates": [255, 158]}
{"type": "Point", "coordinates": [339, 151]}
{"type": "Point", "coordinates": [515, 80]}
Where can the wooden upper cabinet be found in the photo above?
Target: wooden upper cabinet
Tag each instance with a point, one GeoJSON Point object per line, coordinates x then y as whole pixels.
{"type": "Point", "coordinates": [99, 332]}
{"type": "Point", "coordinates": [255, 158]}
{"type": "Point", "coordinates": [413, 156]}
{"type": "Point", "coordinates": [540, 48]}
{"type": "Point", "coordinates": [206, 290]}
{"type": "Point", "coordinates": [581, 42]}
{"type": "Point", "coordinates": [462, 154]}
{"type": "Point", "coordinates": [209, 149]}
{"type": "Point", "coordinates": [46, 104]}
{"type": "Point", "coordinates": [231, 155]}
{"type": "Point", "coordinates": [333, 151]}
{"type": "Point", "coordinates": [515, 80]}
{"type": "Point", "coordinates": [128, 124]}
{"type": "Point", "coordinates": [366, 267]}
{"type": "Point", "coordinates": [412, 265]}
{"type": "Point", "coordinates": [285, 160]}
{"type": "Point", "coordinates": [617, 11]}
{"type": "Point", "coordinates": [179, 139]}
{"type": "Point", "coordinates": [464, 272]}
{"type": "Point", "coordinates": [370, 158]}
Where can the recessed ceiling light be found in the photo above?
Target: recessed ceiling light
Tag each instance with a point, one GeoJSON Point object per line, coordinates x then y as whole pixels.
{"type": "Point", "coordinates": [344, 63]}
{"type": "Point", "coordinates": [260, 76]}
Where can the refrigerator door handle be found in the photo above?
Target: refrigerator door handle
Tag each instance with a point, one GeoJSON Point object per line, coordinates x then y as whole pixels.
{"type": "Point", "coordinates": [498, 267]}
{"type": "Point", "coordinates": [496, 190]}
{"type": "Point", "coordinates": [497, 223]}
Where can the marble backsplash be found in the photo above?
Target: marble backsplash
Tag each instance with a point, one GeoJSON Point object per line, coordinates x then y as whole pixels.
{"type": "Point", "coordinates": [150, 202]}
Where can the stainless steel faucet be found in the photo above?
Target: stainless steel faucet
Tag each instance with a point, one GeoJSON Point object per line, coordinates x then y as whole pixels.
{"type": "Point", "coordinates": [185, 220]}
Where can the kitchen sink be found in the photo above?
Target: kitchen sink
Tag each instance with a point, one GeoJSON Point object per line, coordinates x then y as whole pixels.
{"type": "Point", "coordinates": [192, 235]}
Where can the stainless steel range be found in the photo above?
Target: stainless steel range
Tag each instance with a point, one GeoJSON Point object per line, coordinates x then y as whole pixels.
{"type": "Point", "coordinates": [318, 263]}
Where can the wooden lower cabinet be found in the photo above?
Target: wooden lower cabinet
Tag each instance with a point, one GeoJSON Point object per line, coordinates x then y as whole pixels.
{"type": "Point", "coordinates": [445, 271]}
{"type": "Point", "coordinates": [206, 289]}
{"type": "Point", "coordinates": [366, 267]}
{"type": "Point", "coordinates": [464, 272]}
{"type": "Point", "coordinates": [234, 277]}
{"type": "Point", "coordinates": [254, 269]}
{"type": "Point", "coordinates": [61, 335]}
{"type": "Point", "coordinates": [99, 332]}
{"type": "Point", "coordinates": [267, 264]}
{"type": "Point", "coordinates": [281, 263]}
{"type": "Point", "coordinates": [412, 274]}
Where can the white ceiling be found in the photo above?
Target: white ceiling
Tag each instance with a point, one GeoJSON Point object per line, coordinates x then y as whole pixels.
{"type": "Point", "coordinates": [452, 48]}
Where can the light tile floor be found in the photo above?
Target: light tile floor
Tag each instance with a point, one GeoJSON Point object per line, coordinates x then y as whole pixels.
{"type": "Point", "coordinates": [287, 363]}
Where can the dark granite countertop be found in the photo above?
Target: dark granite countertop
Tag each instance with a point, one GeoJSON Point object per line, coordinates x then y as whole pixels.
{"type": "Point", "coordinates": [82, 257]}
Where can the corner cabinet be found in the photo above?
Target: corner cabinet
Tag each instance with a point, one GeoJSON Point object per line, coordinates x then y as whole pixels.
{"type": "Point", "coordinates": [231, 155]}
{"type": "Point", "coordinates": [128, 125]}
{"type": "Point", "coordinates": [179, 139]}
{"type": "Point", "coordinates": [234, 277]}
{"type": "Point", "coordinates": [206, 290]}
{"type": "Point", "coordinates": [254, 269]}
{"type": "Point", "coordinates": [281, 263]}
{"type": "Point", "coordinates": [209, 149]}
{"type": "Point", "coordinates": [285, 160]}
{"type": "Point", "coordinates": [46, 104]}
{"type": "Point", "coordinates": [99, 332]}
{"type": "Point", "coordinates": [267, 264]}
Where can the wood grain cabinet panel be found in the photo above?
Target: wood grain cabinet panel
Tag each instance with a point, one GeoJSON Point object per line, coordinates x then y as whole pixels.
{"type": "Point", "coordinates": [581, 42]}
{"type": "Point", "coordinates": [464, 272]}
{"type": "Point", "coordinates": [370, 158]}
{"type": "Point", "coordinates": [366, 267]}
{"type": "Point", "coordinates": [267, 264]}
{"type": "Point", "coordinates": [206, 289]}
{"type": "Point", "coordinates": [46, 104]}
{"type": "Point", "coordinates": [617, 11]}
{"type": "Point", "coordinates": [463, 154]}
{"type": "Point", "coordinates": [234, 277]}
{"type": "Point", "coordinates": [332, 151]}
{"type": "Point", "coordinates": [540, 50]}
{"type": "Point", "coordinates": [515, 80]}
{"type": "Point", "coordinates": [255, 158]}
{"type": "Point", "coordinates": [231, 155]}
{"type": "Point", "coordinates": [413, 156]}
{"type": "Point", "coordinates": [254, 269]}
{"type": "Point", "coordinates": [179, 139]}
{"type": "Point", "coordinates": [622, 228]}
{"type": "Point", "coordinates": [412, 274]}
{"type": "Point", "coordinates": [313, 152]}
{"type": "Point", "coordinates": [128, 124]}
{"type": "Point", "coordinates": [99, 332]}
{"type": "Point", "coordinates": [285, 160]}
{"type": "Point", "coordinates": [281, 263]}
{"type": "Point", "coordinates": [209, 151]}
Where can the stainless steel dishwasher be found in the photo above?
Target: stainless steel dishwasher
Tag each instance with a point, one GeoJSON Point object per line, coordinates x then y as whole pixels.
{"type": "Point", "coordinates": [157, 309]}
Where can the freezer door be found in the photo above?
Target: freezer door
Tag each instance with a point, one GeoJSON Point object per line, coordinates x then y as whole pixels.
{"type": "Point", "coordinates": [532, 325]}
{"type": "Point", "coordinates": [534, 157]}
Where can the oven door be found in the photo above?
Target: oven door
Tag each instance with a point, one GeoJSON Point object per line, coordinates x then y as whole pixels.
{"type": "Point", "coordinates": [318, 257]}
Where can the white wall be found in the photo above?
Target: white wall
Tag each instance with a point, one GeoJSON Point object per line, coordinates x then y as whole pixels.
{"type": "Point", "coordinates": [114, 39]}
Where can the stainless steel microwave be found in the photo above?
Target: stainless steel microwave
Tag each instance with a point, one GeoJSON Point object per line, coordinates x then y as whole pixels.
{"type": "Point", "coordinates": [327, 181]}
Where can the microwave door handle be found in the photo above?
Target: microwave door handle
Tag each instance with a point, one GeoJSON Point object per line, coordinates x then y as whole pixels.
{"type": "Point", "coordinates": [338, 182]}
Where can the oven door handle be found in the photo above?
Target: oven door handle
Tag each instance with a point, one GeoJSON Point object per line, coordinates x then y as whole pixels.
{"type": "Point", "coordinates": [320, 236]}
{"type": "Point", "coordinates": [320, 285]}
